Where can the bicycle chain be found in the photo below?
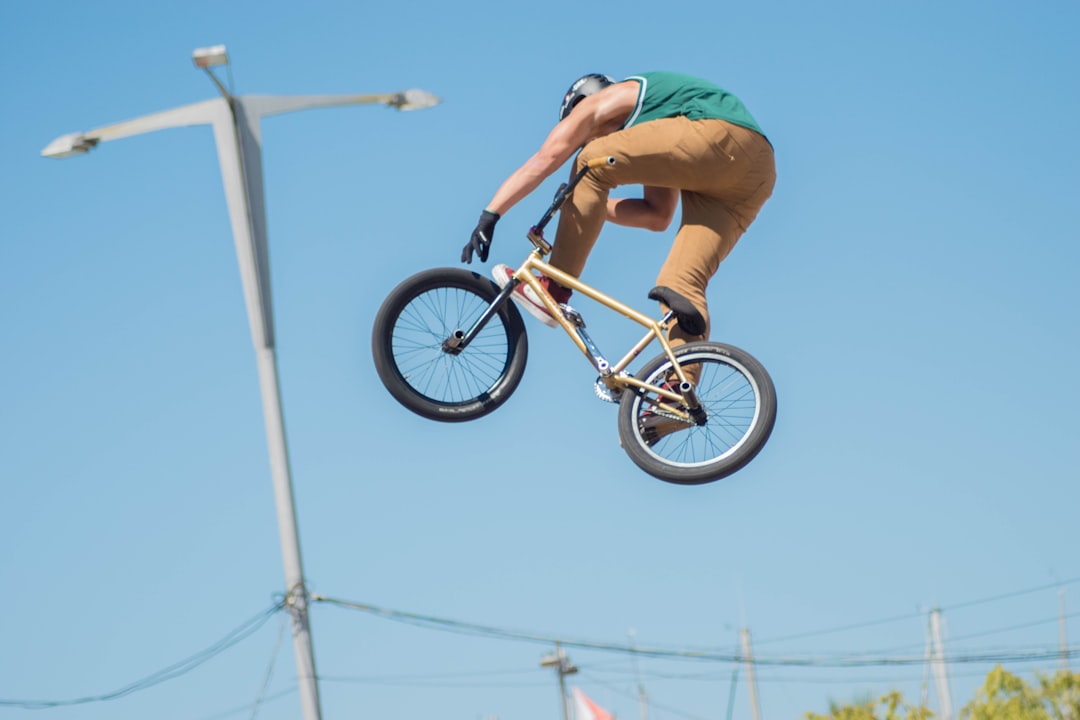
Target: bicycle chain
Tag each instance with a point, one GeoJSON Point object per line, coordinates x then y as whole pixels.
{"type": "Point", "coordinates": [604, 394]}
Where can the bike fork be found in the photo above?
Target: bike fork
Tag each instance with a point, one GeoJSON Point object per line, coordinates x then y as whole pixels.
{"type": "Point", "coordinates": [460, 339]}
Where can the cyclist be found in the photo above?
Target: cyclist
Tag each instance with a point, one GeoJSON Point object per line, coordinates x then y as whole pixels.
{"type": "Point", "coordinates": [677, 136]}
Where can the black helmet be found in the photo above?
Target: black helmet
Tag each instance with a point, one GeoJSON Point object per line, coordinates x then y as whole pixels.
{"type": "Point", "coordinates": [582, 87]}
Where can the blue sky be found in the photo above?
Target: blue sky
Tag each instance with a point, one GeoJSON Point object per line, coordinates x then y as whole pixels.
{"type": "Point", "coordinates": [911, 286]}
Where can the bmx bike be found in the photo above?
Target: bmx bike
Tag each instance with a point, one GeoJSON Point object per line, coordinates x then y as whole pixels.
{"type": "Point", "coordinates": [450, 345]}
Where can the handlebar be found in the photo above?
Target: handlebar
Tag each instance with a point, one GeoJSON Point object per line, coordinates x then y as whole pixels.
{"type": "Point", "coordinates": [536, 232]}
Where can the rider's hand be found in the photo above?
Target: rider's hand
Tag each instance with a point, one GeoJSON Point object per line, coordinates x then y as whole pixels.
{"type": "Point", "coordinates": [480, 240]}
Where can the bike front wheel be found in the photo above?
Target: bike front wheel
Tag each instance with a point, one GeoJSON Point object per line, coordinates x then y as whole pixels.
{"type": "Point", "coordinates": [739, 400]}
{"type": "Point", "coordinates": [413, 362]}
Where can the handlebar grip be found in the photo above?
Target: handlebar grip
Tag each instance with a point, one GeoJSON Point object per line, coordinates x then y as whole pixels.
{"type": "Point", "coordinates": [565, 189]}
{"type": "Point", "coordinates": [600, 162]}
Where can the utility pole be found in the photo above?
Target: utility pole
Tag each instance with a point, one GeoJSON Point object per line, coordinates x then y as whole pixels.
{"type": "Point", "coordinates": [563, 667]}
{"type": "Point", "coordinates": [937, 663]}
{"type": "Point", "coordinates": [751, 678]}
{"type": "Point", "coordinates": [924, 696]}
{"type": "Point", "coordinates": [643, 701]}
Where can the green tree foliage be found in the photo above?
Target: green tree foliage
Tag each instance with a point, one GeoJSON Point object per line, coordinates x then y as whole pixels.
{"type": "Point", "coordinates": [888, 707]}
{"type": "Point", "coordinates": [1005, 696]}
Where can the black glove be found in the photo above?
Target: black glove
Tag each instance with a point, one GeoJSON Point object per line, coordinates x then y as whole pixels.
{"type": "Point", "coordinates": [480, 240]}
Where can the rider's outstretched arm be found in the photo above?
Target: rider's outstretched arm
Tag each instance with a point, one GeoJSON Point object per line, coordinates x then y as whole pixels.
{"type": "Point", "coordinates": [596, 115]}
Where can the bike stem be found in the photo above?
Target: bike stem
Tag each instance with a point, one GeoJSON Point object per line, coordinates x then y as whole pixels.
{"type": "Point", "coordinates": [536, 232]}
{"type": "Point", "coordinates": [460, 340]}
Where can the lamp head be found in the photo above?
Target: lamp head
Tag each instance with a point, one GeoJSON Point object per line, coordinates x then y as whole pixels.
{"type": "Point", "coordinates": [209, 57]}
{"type": "Point", "coordinates": [68, 145]}
{"type": "Point", "coordinates": [414, 100]}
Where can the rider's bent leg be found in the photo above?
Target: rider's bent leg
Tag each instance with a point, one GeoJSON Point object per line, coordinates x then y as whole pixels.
{"type": "Point", "coordinates": [717, 208]}
{"type": "Point", "coordinates": [725, 172]}
{"type": "Point", "coordinates": [654, 153]}
{"type": "Point", "coordinates": [707, 234]}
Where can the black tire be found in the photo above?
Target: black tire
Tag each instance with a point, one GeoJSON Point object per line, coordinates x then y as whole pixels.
{"type": "Point", "coordinates": [735, 391]}
{"type": "Point", "coordinates": [407, 342]}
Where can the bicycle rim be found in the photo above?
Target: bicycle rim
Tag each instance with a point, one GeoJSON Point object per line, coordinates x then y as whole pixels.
{"type": "Point", "coordinates": [416, 343]}
{"type": "Point", "coordinates": [740, 403]}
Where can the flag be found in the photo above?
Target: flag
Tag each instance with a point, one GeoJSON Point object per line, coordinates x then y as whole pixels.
{"type": "Point", "coordinates": [586, 709]}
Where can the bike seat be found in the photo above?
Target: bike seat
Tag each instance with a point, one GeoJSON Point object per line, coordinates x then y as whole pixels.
{"type": "Point", "coordinates": [688, 316]}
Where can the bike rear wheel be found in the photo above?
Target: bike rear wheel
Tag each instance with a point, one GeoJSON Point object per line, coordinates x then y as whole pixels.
{"type": "Point", "coordinates": [740, 401]}
{"type": "Point", "coordinates": [407, 342]}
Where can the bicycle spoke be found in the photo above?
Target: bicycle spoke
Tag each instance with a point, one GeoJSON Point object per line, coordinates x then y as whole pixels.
{"type": "Point", "coordinates": [731, 405]}
{"type": "Point", "coordinates": [418, 336]}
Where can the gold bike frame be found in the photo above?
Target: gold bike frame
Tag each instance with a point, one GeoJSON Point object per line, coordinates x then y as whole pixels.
{"type": "Point", "coordinates": [615, 379]}
{"type": "Point", "coordinates": [684, 406]}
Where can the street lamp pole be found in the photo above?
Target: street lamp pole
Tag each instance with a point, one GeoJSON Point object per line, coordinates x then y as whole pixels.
{"type": "Point", "coordinates": [235, 122]}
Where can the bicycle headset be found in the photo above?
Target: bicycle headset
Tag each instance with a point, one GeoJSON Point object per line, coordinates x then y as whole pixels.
{"type": "Point", "coordinates": [583, 87]}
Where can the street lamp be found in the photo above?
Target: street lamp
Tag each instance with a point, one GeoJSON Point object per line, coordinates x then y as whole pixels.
{"type": "Point", "coordinates": [235, 121]}
{"type": "Point", "coordinates": [563, 667]}
{"type": "Point", "coordinates": [209, 57]}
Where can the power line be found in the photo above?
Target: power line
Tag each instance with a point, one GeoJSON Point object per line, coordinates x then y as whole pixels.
{"type": "Point", "coordinates": [476, 678]}
{"type": "Point", "coordinates": [633, 696]}
{"type": "Point", "coordinates": [430, 681]}
{"type": "Point", "coordinates": [983, 633]}
{"type": "Point", "coordinates": [244, 630]}
{"type": "Point", "coordinates": [245, 708]}
{"type": "Point", "coordinates": [841, 628]}
{"type": "Point", "coordinates": [768, 675]}
{"type": "Point", "coordinates": [474, 629]}
{"type": "Point", "coordinates": [251, 625]}
{"type": "Point", "coordinates": [1006, 596]}
{"type": "Point", "coordinates": [1021, 626]}
{"type": "Point", "coordinates": [269, 670]}
{"type": "Point", "coordinates": [910, 616]}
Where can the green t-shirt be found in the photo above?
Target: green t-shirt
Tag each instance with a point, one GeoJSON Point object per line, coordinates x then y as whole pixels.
{"type": "Point", "coordinates": [667, 95]}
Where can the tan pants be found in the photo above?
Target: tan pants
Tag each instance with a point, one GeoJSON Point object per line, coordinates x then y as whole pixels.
{"type": "Point", "coordinates": [725, 172]}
